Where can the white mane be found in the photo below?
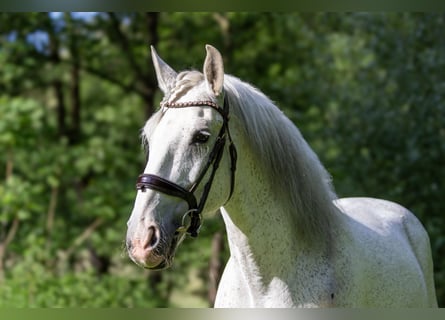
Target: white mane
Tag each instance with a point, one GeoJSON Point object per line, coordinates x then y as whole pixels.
{"type": "Point", "coordinates": [293, 168]}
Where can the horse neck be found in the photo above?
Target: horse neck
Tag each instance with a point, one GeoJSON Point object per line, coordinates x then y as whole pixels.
{"type": "Point", "coordinates": [262, 234]}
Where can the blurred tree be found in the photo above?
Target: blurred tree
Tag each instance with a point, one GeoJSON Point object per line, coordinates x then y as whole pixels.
{"type": "Point", "coordinates": [366, 90]}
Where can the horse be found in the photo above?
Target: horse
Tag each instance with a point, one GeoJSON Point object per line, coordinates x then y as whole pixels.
{"type": "Point", "coordinates": [220, 143]}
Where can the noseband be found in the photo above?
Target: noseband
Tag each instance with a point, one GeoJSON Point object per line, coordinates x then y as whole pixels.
{"type": "Point", "coordinates": [156, 183]}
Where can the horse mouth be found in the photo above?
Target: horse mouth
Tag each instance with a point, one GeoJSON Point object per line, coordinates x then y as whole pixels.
{"type": "Point", "coordinates": [167, 262]}
{"type": "Point", "coordinates": [163, 265]}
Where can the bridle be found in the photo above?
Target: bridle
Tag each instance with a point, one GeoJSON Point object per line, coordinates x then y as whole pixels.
{"type": "Point", "coordinates": [156, 183]}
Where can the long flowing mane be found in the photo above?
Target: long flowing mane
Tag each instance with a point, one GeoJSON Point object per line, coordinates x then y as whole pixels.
{"type": "Point", "coordinates": [294, 169]}
{"type": "Point", "coordinates": [300, 180]}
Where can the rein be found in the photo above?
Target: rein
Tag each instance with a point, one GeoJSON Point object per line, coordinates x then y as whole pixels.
{"type": "Point", "coordinates": [156, 183]}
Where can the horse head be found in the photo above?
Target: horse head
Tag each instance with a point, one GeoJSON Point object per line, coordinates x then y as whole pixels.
{"type": "Point", "coordinates": [188, 140]}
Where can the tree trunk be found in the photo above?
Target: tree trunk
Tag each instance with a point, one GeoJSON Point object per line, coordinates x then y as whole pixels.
{"type": "Point", "coordinates": [216, 266]}
{"type": "Point", "coordinates": [51, 215]}
{"type": "Point", "coordinates": [152, 22]}
{"type": "Point", "coordinates": [74, 135]}
{"type": "Point", "coordinates": [57, 84]}
{"type": "Point", "coordinates": [161, 286]}
{"type": "Point", "coordinates": [10, 229]}
{"type": "Point", "coordinates": [75, 101]}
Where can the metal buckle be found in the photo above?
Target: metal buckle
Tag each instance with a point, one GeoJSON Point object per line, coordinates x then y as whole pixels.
{"type": "Point", "coordinates": [186, 221]}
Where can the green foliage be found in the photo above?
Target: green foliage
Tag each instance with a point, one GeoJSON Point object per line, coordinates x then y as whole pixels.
{"type": "Point", "coordinates": [366, 90]}
{"type": "Point", "coordinates": [20, 119]}
{"type": "Point", "coordinates": [31, 285]}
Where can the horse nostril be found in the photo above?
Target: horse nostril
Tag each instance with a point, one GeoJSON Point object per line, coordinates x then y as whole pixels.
{"type": "Point", "coordinates": [152, 238]}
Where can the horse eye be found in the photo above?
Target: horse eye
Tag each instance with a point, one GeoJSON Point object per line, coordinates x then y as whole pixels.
{"type": "Point", "coordinates": [201, 137]}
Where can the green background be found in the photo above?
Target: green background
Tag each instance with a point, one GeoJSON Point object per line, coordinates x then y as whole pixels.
{"type": "Point", "coordinates": [366, 90]}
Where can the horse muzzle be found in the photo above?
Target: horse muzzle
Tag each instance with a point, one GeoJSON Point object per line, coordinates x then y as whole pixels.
{"type": "Point", "coordinates": [143, 247]}
{"type": "Point", "coordinates": [150, 252]}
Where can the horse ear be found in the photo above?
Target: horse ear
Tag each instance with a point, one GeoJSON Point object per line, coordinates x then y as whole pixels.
{"type": "Point", "coordinates": [164, 73]}
{"type": "Point", "coordinates": [214, 70]}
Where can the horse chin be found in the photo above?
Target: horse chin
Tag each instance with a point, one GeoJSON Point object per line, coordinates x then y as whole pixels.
{"type": "Point", "coordinates": [167, 262]}
{"type": "Point", "coordinates": [163, 265]}
{"type": "Point", "coordinates": [155, 262]}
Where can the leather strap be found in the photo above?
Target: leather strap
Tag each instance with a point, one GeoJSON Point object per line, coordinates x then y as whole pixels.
{"type": "Point", "coordinates": [165, 186]}
{"type": "Point", "coordinates": [162, 185]}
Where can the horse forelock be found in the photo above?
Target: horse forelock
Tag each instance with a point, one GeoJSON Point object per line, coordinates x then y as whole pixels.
{"type": "Point", "coordinates": [184, 82]}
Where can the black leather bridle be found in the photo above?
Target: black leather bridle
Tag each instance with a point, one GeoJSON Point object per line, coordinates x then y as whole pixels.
{"type": "Point", "coordinates": [156, 183]}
